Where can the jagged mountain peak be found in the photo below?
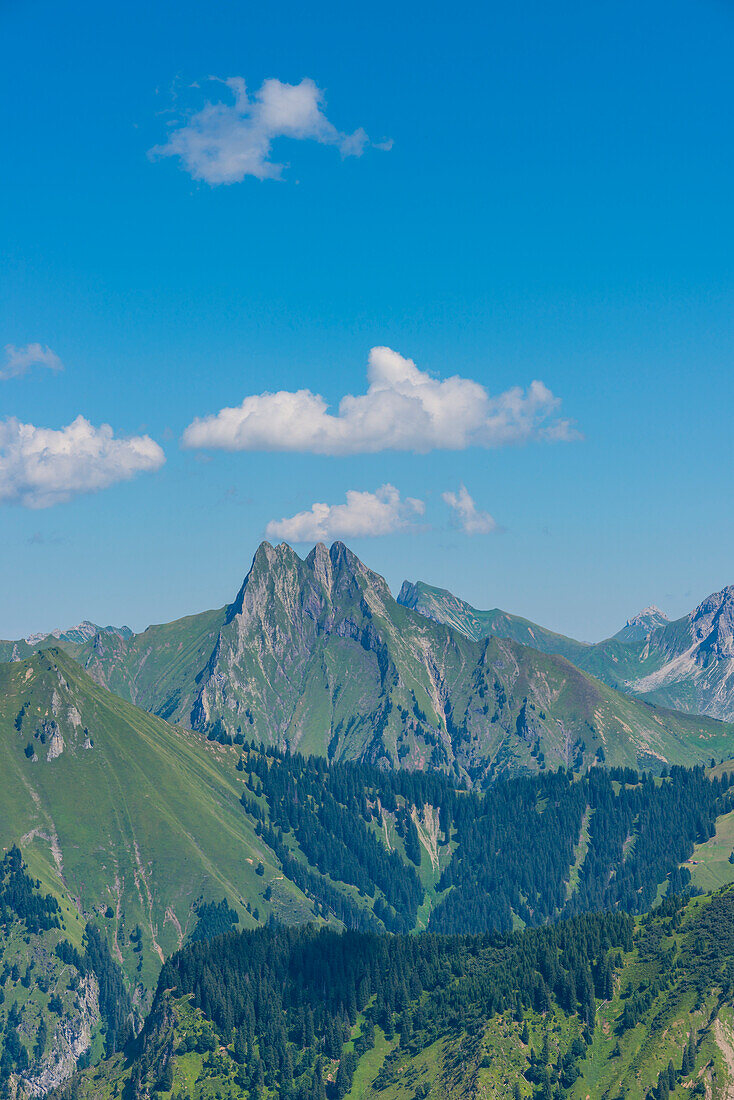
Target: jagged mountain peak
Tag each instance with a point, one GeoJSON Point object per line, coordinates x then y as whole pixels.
{"type": "Point", "coordinates": [278, 572]}
{"type": "Point", "coordinates": [418, 596]}
{"type": "Point", "coordinates": [268, 557]}
{"type": "Point", "coordinates": [712, 622]}
{"type": "Point", "coordinates": [715, 602]}
{"type": "Point", "coordinates": [348, 569]}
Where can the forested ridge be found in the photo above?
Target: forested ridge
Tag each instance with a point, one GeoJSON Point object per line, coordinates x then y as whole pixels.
{"type": "Point", "coordinates": [534, 847]}
{"type": "Point", "coordinates": [52, 975]}
{"type": "Point", "coordinates": [617, 1005]}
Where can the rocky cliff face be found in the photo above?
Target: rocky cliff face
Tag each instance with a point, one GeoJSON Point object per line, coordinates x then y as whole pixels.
{"type": "Point", "coordinates": [692, 659]}
{"type": "Point", "coordinates": [711, 626]}
{"type": "Point", "coordinates": [71, 1039]}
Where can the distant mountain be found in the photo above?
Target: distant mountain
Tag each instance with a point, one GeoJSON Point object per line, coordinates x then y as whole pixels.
{"type": "Point", "coordinates": [443, 607]}
{"type": "Point", "coordinates": [316, 655]}
{"type": "Point", "coordinates": [687, 664]}
{"type": "Point", "coordinates": [64, 639]}
{"type": "Point", "coordinates": [79, 634]}
{"type": "Point", "coordinates": [641, 626]}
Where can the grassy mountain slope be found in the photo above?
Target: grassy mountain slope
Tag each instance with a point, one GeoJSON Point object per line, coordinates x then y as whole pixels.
{"type": "Point", "coordinates": [593, 1008]}
{"type": "Point", "coordinates": [318, 656]}
{"type": "Point", "coordinates": [119, 811]}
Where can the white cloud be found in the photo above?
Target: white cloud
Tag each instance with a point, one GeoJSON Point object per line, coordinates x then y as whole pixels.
{"type": "Point", "coordinates": [224, 142]}
{"type": "Point", "coordinates": [472, 520]}
{"type": "Point", "coordinates": [42, 466]}
{"type": "Point", "coordinates": [404, 409]}
{"type": "Point", "coordinates": [364, 515]}
{"type": "Point", "coordinates": [20, 360]}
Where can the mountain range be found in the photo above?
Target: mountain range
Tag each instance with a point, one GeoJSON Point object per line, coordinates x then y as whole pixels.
{"type": "Point", "coordinates": [67, 638]}
{"type": "Point", "coordinates": [316, 655]}
{"type": "Point", "coordinates": [687, 664]}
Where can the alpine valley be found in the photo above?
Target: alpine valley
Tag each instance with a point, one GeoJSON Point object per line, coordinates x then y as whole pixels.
{"type": "Point", "coordinates": [325, 843]}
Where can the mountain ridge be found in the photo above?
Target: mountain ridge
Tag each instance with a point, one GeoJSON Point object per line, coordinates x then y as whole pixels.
{"type": "Point", "coordinates": [316, 655]}
{"type": "Point", "coordinates": [66, 638]}
{"type": "Point", "coordinates": [686, 664]}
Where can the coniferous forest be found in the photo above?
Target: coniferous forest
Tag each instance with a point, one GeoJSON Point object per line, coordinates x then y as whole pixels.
{"type": "Point", "coordinates": [636, 830]}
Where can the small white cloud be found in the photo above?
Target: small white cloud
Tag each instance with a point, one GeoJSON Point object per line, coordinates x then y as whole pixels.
{"type": "Point", "coordinates": [473, 521]}
{"type": "Point", "coordinates": [364, 515]}
{"type": "Point", "coordinates": [20, 360]}
{"type": "Point", "coordinates": [224, 142]}
{"type": "Point", "coordinates": [404, 409]}
{"type": "Point", "coordinates": [42, 466]}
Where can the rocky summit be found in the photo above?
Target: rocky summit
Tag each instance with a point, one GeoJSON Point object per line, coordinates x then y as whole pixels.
{"type": "Point", "coordinates": [641, 626]}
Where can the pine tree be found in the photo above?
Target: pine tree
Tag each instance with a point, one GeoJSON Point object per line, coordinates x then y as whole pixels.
{"type": "Point", "coordinates": [318, 1092]}
{"type": "Point", "coordinates": [689, 1057]}
{"type": "Point", "coordinates": [240, 1046]}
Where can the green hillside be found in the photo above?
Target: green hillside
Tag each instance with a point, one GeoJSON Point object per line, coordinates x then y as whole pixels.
{"type": "Point", "coordinates": [126, 822]}
{"type": "Point", "coordinates": [128, 817]}
{"type": "Point", "coordinates": [600, 1006]}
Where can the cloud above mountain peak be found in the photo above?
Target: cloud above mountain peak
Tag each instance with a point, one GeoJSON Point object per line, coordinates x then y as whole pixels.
{"type": "Point", "coordinates": [363, 515]}
{"type": "Point", "coordinates": [404, 409]}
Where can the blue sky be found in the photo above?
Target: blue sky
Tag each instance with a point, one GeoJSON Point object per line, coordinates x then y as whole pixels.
{"type": "Point", "coordinates": [543, 193]}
